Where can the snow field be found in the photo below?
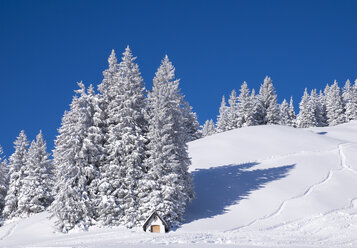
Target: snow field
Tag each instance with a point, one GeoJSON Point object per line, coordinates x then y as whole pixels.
{"type": "Point", "coordinates": [265, 186]}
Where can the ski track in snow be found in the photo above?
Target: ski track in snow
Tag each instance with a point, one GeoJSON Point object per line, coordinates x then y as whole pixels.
{"type": "Point", "coordinates": [343, 166]}
{"type": "Point", "coordinates": [343, 159]}
{"type": "Point", "coordinates": [353, 204]}
{"type": "Point", "coordinates": [9, 232]}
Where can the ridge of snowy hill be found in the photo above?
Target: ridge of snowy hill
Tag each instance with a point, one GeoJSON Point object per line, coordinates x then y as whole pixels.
{"type": "Point", "coordinates": [262, 186]}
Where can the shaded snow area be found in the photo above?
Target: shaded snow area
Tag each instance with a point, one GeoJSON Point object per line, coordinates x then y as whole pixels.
{"type": "Point", "coordinates": [264, 186]}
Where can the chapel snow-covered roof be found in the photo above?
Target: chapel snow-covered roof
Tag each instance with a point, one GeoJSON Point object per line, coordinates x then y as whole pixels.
{"type": "Point", "coordinates": [152, 216]}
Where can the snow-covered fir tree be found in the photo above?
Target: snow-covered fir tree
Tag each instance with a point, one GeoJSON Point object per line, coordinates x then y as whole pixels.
{"type": "Point", "coordinates": [208, 128]}
{"type": "Point", "coordinates": [74, 162]}
{"type": "Point", "coordinates": [258, 113]}
{"type": "Point", "coordinates": [35, 194]}
{"type": "Point", "coordinates": [350, 100]}
{"type": "Point", "coordinates": [110, 79]}
{"type": "Point", "coordinates": [306, 116]}
{"type": "Point", "coordinates": [191, 123]}
{"type": "Point", "coordinates": [232, 111]}
{"type": "Point", "coordinates": [125, 145]}
{"type": "Point", "coordinates": [321, 108]}
{"type": "Point", "coordinates": [17, 164]}
{"type": "Point", "coordinates": [222, 119]}
{"type": "Point", "coordinates": [284, 113]}
{"type": "Point", "coordinates": [335, 105]}
{"type": "Point", "coordinates": [269, 106]}
{"type": "Point", "coordinates": [292, 116]}
{"type": "Point", "coordinates": [318, 108]}
{"type": "Point", "coordinates": [3, 179]}
{"type": "Point", "coordinates": [167, 185]}
{"type": "Point", "coordinates": [245, 107]}
{"type": "Point", "coordinates": [315, 108]}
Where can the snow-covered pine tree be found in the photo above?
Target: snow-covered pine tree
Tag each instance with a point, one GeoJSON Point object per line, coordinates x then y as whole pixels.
{"type": "Point", "coordinates": [315, 108]}
{"type": "Point", "coordinates": [110, 79]}
{"type": "Point", "coordinates": [3, 179]}
{"type": "Point", "coordinates": [208, 128]}
{"type": "Point", "coordinates": [17, 163]}
{"type": "Point", "coordinates": [191, 123]}
{"type": "Point", "coordinates": [211, 127]}
{"type": "Point", "coordinates": [104, 201]}
{"type": "Point", "coordinates": [125, 146]}
{"type": "Point", "coordinates": [322, 108]}
{"type": "Point", "coordinates": [94, 145]}
{"type": "Point", "coordinates": [258, 111]}
{"type": "Point", "coordinates": [232, 111]}
{"type": "Point", "coordinates": [335, 105]}
{"type": "Point", "coordinates": [35, 194]}
{"type": "Point", "coordinates": [268, 98]}
{"type": "Point", "coordinates": [346, 91]}
{"type": "Point", "coordinates": [222, 119]}
{"type": "Point", "coordinates": [245, 107]}
{"type": "Point", "coordinates": [350, 99]}
{"type": "Point", "coordinates": [167, 185]}
{"type": "Point", "coordinates": [205, 129]}
{"type": "Point", "coordinates": [292, 116]}
{"type": "Point", "coordinates": [306, 116]}
{"type": "Point", "coordinates": [284, 113]}
{"type": "Point", "coordinates": [75, 169]}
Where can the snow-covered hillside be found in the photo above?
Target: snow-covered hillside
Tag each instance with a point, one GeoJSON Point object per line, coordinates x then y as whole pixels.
{"type": "Point", "coordinates": [263, 186]}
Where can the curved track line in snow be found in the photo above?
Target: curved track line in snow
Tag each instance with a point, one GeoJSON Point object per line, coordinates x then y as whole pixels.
{"type": "Point", "coordinates": [282, 205]}
{"type": "Point", "coordinates": [308, 190]}
{"type": "Point", "coordinates": [343, 159]}
{"type": "Point", "coordinates": [352, 204]}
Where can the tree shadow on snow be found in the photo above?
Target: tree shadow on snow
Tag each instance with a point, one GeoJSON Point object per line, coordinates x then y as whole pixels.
{"type": "Point", "coordinates": [220, 187]}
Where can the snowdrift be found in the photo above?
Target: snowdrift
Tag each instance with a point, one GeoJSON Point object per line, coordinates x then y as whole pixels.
{"type": "Point", "coordinates": [264, 186]}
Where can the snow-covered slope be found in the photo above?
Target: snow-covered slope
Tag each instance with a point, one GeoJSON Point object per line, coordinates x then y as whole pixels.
{"type": "Point", "coordinates": [265, 186]}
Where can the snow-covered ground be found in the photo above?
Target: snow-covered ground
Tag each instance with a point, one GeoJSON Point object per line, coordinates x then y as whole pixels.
{"type": "Point", "coordinates": [265, 186]}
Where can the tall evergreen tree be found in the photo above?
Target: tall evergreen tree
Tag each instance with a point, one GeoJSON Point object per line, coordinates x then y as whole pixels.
{"type": "Point", "coordinates": [306, 116]}
{"type": "Point", "coordinates": [3, 179]}
{"type": "Point", "coordinates": [125, 145]}
{"type": "Point", "coordinates": [167, 185]}
{"type": "Point", "coordinates": [110, 80]}
{"type": "Point", "coordinates": [269, 104]}
{"type": "Point", "coordinates": [315, 108]}
{"type": "Point", "coordinates": [292, 116]}
{"type": "Point", "coordinates": [35, 194]}
{"type": "Point", "coordinates": [190, 122]}
{"type": "Point", "coordinates": [222, 119]}
{"type": "Point", "coordinates": [208, 128]}
{"type": "Point", "coordinates": [335, 105]}
{"type": "Point", "coordinates": [73, 161]}
{"type": "Point", "coordinates": [322, 108]}
{"type": "Point", "coordinates": [245, 107]}
{"type": "Point", "coordinates": [17, 163]}
{"type": "Point", "coordinates": [232, 111]}
{"type": "Point", "coordinates": [350, 99]}
{"type": "Point", "coordinates": [258, 112]}
{"type": "Point", "coordinates": [284, 113]}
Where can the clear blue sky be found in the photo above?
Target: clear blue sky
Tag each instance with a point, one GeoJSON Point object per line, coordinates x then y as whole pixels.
{"type": "Point", "coordinates": [47, 46]}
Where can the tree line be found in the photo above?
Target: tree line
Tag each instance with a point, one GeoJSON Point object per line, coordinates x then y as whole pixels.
{"type": "Point", "coordinates": [120, 154]}
{"type": "Point", "coordinates": [332, 106]}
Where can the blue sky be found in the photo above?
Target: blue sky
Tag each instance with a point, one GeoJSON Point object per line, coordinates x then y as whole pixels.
{"type": "Point", "coordinates": [47, 46]}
